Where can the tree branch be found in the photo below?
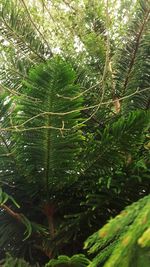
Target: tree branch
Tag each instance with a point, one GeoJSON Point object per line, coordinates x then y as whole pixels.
{"type": "Point", "coordinates": [34, 25]}
{"type": "Point", "coordinates": [135, 50]}
{"type": "Point", "coordinates": [13, 214]}
{"type": "Point", "coordinates": [18, 128]}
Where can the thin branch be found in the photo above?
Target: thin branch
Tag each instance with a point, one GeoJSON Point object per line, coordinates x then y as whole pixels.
{"type": "Point", "coordinates": [8, 184]}
{"type": "Point", "coordinates": [18, 128]}
{"type": "Point", "coordinates": [13, 214]}
{"type": "Point", "coordinates": [135, 50]}
{"type": "Point", "coordinates": [6, 154]}
{"type": "Point", "coordinates": [51, 17]}
{"type": "Point", "coordinates": [110, 102]}
{"type": "Point", "coordinates": [79, 95]}
{"type": "Point", "coordinates": [14, 92]}
{"type": "Point", "coordinates": [112, 79]}
{"type": "Point", "coordinates": [102, 81]}
{"type": "Point", "coordinates": [23, 41]}
{"type": "Point", "coordinates": [34, 25]}
{"type": "Point", "coordinates": [69, 5]}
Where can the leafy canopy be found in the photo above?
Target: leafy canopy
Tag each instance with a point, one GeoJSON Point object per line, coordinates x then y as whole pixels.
{"type": "Point", "coordinates": [74, 132]}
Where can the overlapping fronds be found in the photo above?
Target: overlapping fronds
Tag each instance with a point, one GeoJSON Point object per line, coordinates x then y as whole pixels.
{"type": "Point", "coordinates": [22, 45]}
{"type": "Point", "coordinates": [114, 176]}
{"type": "Point", "coordinates": [20, 31]}
{"type": "Point", "coordinates": [68, 179]}
{"type": "Point", "coordinates": [40, 142]}
{"type": "Point", "coordinates": [117, 141]}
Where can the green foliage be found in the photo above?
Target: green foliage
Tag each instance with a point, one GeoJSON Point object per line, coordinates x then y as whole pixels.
{"type": "Point", "coordinates": [41, 111]}
{"type": "Point", "coordinates": [75, 261]}
{"type": "Point", "coordinates": [4, 197]}
{"type": "Point", "coordinates": [132, 63]}
{"type": "Point", "coordinates": [55, 146]}
{"type": "Point", "coordinates": [15, 262]}
{"type": "Point", "coordinates": [121, 239]}
{"type": "Point", "coordinates": [17, 26]}
{"type": "Point", "coordinates": [73, 154]}
{"type": "Point", "coordinates": [126, 135]}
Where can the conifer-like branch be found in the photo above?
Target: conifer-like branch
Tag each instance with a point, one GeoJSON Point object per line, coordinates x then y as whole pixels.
{"type": "Point", "coordinates": [137, 43]}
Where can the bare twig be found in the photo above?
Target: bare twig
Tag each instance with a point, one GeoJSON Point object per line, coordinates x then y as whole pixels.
{"type": "Point", "coordinates": [18, 128]}
{"type": "Point", "coordinates": [14, 92]}
{"type": "Point", "coordinates": [79, 95]}
{"type": "Point", "coordinates": [102, 81]}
